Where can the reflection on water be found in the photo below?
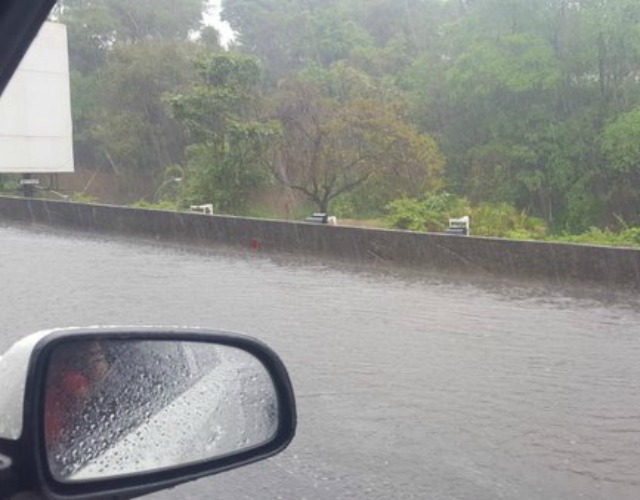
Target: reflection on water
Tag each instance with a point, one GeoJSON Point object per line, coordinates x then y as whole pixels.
{"type": "Point", "coordinates": [409, 385]}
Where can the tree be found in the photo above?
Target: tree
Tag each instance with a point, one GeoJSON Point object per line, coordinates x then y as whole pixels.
{"type": "Point", "coordinates": [621, 151]}
{"type": "Point", "coordinates": [331, 147]}
{"type": "Point", "coordinates": [121, 21]}
{"type": "Point", "coordinates": [124, 56]}
{"type": "Point", "coordinates": [288, 35]}
{"type": "Point", "coordinates": [228, 143]}
{"type": "Point", "coordinates": [130, 126]}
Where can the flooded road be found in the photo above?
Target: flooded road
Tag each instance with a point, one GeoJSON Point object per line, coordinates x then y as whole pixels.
{"type": "Point", "coordinates": [409, 385]}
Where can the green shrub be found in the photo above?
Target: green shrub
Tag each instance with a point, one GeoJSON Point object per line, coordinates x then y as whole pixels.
{"type": "Point", "coordinates": [442, 207]}
{"type": "Point", "coordinates": [505, 221]}
{"type": "Point", "coordinates": [487, 219]}
{"type": "Point", "coordinates": [81, 197]}
{"type": "Point", "coordinates": [432, 213]}
{"type": "Point", "coordinates": [406, 213]}
{"type": "Point", "coordinates": [224, 181]}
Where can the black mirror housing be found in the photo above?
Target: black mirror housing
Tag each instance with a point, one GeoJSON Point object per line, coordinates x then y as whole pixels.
{"type": "Point", "coordinates": [29, 453]}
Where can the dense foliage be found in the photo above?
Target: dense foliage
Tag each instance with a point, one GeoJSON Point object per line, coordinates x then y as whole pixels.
{"type": "Point", "coordinates": [527, 110]}
{"type": "Point", "coordinates": [433, 212]}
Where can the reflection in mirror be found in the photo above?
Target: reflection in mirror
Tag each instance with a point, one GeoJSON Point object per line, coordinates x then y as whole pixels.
{"type": "Point", "coordinates": [118, 407]}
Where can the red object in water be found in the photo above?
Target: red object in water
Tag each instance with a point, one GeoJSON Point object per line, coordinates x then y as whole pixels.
{"type": "Point", "coordinates": [254, 244]}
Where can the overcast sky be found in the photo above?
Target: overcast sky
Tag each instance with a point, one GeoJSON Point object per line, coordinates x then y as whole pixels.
{"type": "Point", "coordinates": [213, 18]}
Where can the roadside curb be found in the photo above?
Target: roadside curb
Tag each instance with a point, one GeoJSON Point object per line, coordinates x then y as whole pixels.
{"type": "Point", "coordinates": [555, 262]}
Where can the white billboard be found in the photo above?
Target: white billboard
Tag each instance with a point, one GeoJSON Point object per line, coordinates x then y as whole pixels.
{"type": "Point", "coordinates": [35, 109]}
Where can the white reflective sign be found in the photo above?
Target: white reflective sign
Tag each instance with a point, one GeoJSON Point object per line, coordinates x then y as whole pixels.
{"type": "Point", "coordinates": [35, 109]}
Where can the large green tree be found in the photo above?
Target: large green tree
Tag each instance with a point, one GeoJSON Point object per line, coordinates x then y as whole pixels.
{"type": "Point", "coordinates": [288, 35]}
{"type": "Point", "coordinates": [519, 92]}
{"type": "Point", "coordinates": [229, 143]}
{"type": "Point", "coordinates": [131, 128]}
{"type": "Point", "coordinates": [124, 58]}
{"type": "Point", "coordinates": [332, 146]}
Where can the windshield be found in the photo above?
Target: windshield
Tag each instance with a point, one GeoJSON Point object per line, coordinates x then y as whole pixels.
{"type": "Point", "coordinates": [430, 208]}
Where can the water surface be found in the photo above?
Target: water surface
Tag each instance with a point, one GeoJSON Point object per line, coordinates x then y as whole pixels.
{"type": "Point", "coordinates": [409, 385]}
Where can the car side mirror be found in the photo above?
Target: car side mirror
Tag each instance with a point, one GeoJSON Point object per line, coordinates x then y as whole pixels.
{"type": "Point", "coordinates": [124, 412]}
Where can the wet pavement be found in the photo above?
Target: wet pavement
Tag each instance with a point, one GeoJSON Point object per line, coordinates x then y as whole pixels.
{"type": "Point", "coordinates": [409, 385]}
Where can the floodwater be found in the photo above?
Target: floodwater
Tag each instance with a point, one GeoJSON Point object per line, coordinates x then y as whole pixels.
{"type": "Point", "coordinates": [409, 385]}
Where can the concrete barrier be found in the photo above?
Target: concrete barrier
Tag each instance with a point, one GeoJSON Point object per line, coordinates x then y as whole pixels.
{"type": "Point", "coordinates": [559, 263]}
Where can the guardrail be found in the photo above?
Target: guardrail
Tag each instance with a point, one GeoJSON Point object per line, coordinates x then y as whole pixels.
{"type": "Point", "coordinates": [555, 262]}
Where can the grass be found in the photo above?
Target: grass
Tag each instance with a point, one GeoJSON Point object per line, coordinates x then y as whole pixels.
{"type": "Point", "coordinates": [370, 223]}
{"type": "Point", "coordinates": [629, 237]}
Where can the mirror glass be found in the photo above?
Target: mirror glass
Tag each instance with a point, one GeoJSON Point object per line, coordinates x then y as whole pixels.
{"type": "Point", "coordinates": [115, 407]}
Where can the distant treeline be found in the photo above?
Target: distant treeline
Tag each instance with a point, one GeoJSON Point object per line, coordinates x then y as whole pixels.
{"type": "Point", "coordinates": [356, 103]}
